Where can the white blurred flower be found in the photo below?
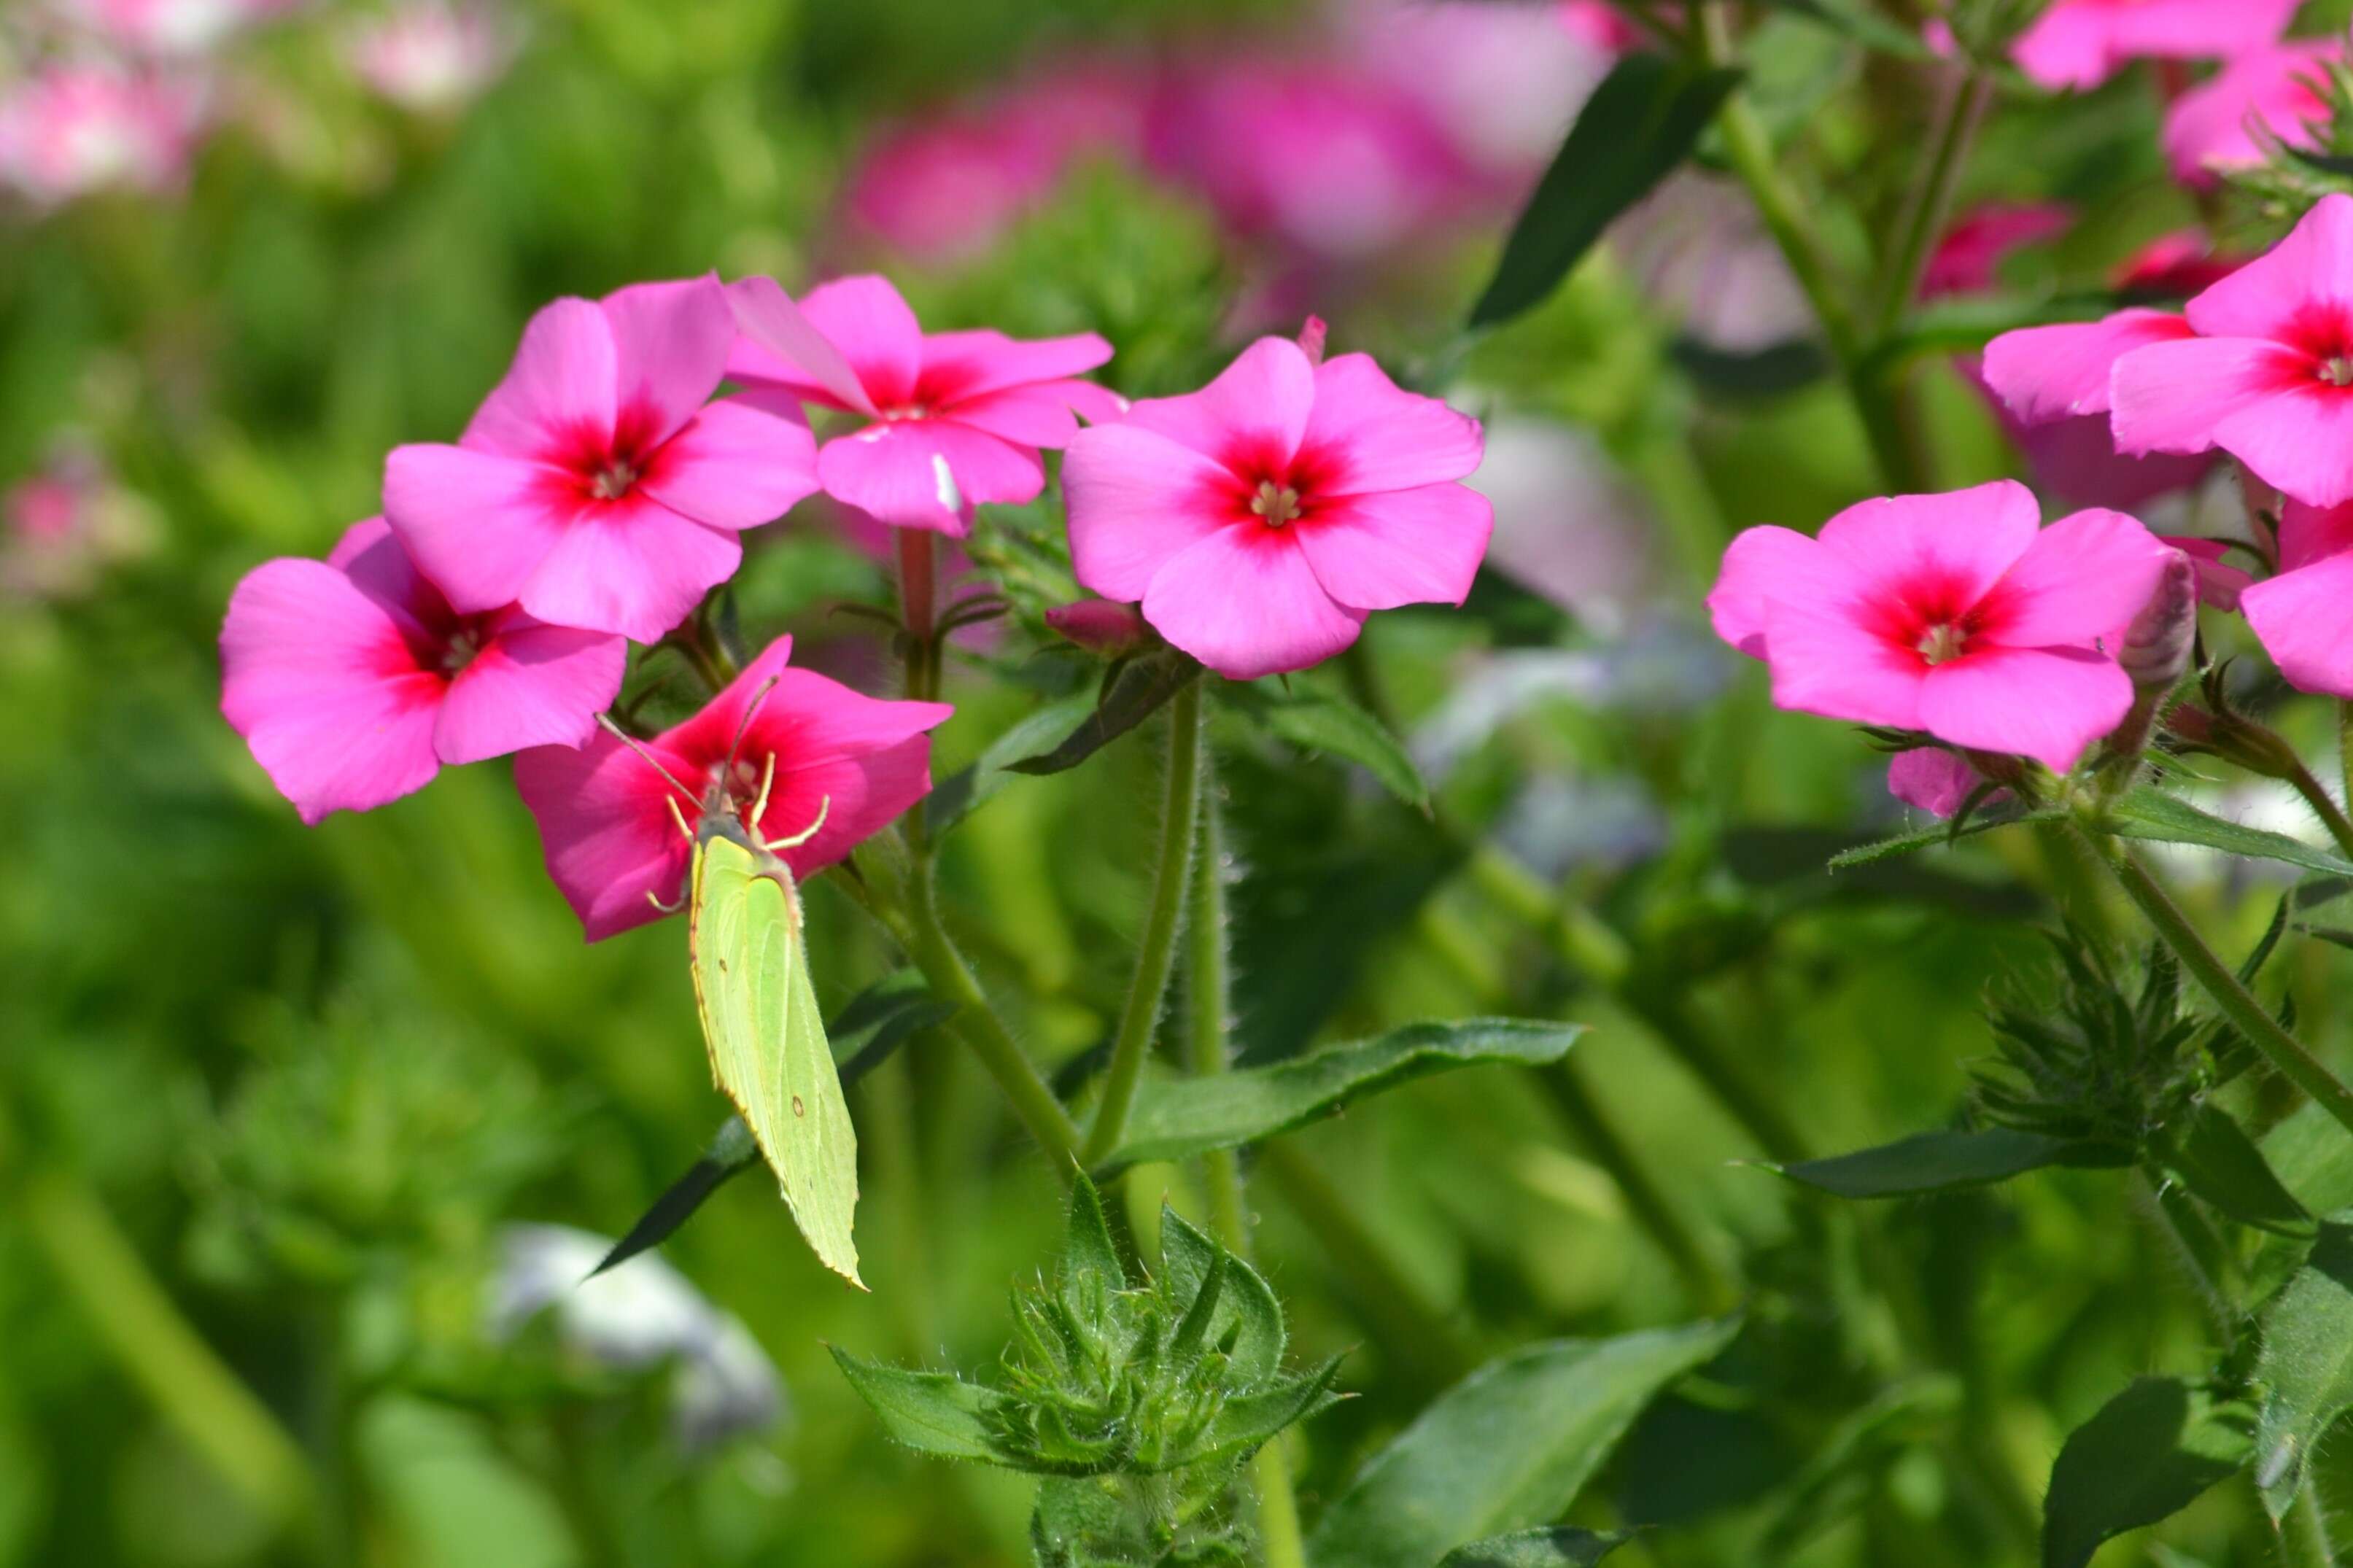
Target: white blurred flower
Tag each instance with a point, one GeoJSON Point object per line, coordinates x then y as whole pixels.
{"type": "Point", "coordinates": [1503, 82]}
{"type": "Point", "coordinates": [428, 55]}
{"type": "Point", "coordinates": [1705, 258]}
{"type": "Point", "coordinates": [68, 130]}
{"type": "Point", "coordinates": [1567, 525]}
{"type": "Point", "coordinates": [637, 1316]}
{"type": "Point", "coordinates": [170, 27]}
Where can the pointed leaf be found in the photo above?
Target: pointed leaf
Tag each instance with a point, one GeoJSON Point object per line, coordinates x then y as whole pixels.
{"type": "Point", "coordinates": [1317, 722]}
{"type": "Point", "coordinates": [1190, 1116]}
{"type": "Point", "coordinates": [2216, 1160]}
{"type": "Point", "coordinates": [2149, 813]}
{"type": "Point", "coordinates": [2149, 1454]}
{"type": "Point", "coordinates": [2305, 1372]}
{"type": "Point", "coordinates": [1929, 838]}
{"type": "Point", "coordinates": [1509, 1448]}
{"type": "Point", "coordinates": [1248, 1313]}
{"type": "Point", "coordinates": [732, 1152]}
{"type": "Point", "coordinates": [1943, 1162]}
{"type": "Point", "coordinates": [1133, 693]}
{"type": "Point", "coordinates": [1559, 1548]}
{"type": "Point", "coordinates": [1091, 1269]}
{"type": "Point", "coordinates": [934, 1412]}
{"type": "Point", "coordinates": [1245, 1423]}
{"type": "Point", "coordinates": [964, 791]}
{"type": "Point", "coordinates": [1641, 122]}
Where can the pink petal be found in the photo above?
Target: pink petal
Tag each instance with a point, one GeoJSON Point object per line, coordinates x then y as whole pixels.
{"type": "Point", "coordinates": [2048, 704]}
{"type": "Point", "coordinates": [705, 737]}
{"type": "Point", "coordinates": [478, 524]}
{"type": "Point", "coordinates": [735, 466]}
{"type": "Point", "coordinates": [1364, 434]}
{"type": "Point", "coordinates": [1245, 602]}
{"type": "Point", "coordinates": [2310, 534]}
{"type": "Point", "coordinates": [1135, 499]}
{"type": "Point", "coordinates": [1826, 658]}
{"type": "Point", "coordinates": [2206, 129]}
{"type": "Point", "coordinates": [2301, 442]}
{"type": "Point", "coordinates": [2082, 578]}
{"type": "Point", "coordinates": [631, 566]}
{"type": "Point", "coordinates": [318, 679]}
{"type": "Point", "coordinates": [1933, 779]}
{"type": "Point", "coordinates": [2220, 585]}
{"type": "Point", "coordinates": [1760, 563]}
{"type": "Point", "coordinates": [779, 344]}
{"type": "Point", "coordinates": [2173, 397]}
{"type": "Point", "coordinates": [865, 318]}
{"type": "Point", "coordinates": [1961, 541]}
{"type": "Point", "coordinates": [561, 383]}
{"type": "Point", "coordinates": [2303, 617]}
{"type": "Point", "coordinates": [2066, 46]}
{"type": "Point", "coordinates": [959, 366]}
{"type": "Point", "coordinates": [2050, 373]}
{"type": "Point", "coordinates": [531, 685]}
{"type": "Point", "coordinates": [2075, 463]}
{"type": "Point", "coordinates": [1026, 416]}
{"type": "Point", "coordinates": [671, 343]}
{"type": "Point", "coordinates": [371, 557]}
{"type": "Point", "coordinates": [1418, 546]}
{"type": "Point", "coordinates": [1255, 413]}
{"type": "Point", "coordinates": [605, 826]}
{"type": "Point", "coordinates": [927, 473]}
{"type": "Point", "coordinates": [2306, 275]}
{"type": "Point", "coordinates": [859, 796]}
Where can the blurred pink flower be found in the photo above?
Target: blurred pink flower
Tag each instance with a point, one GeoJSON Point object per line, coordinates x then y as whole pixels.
{"type": "Point", "coordinates": [1967, 259]}
{"type": "Point", "coordinates": [1705, 258]}
{"type": "Point", "coordinates": [171, 26]}
{"type": "Point", "coordinates": [944, 187]}
{"type": "Point", "coordinates": [2176, 264]}
{"type": "Point", "coordinates": [63, 524]}
{"type": "Point", "coordinates": [69, 130]}
{"type": "Point", "coordinates": [428, 56]}
{"type": "Point", "coordinates": [604, 812]}
{"type": "Point", "coordinates": [1933, 779]}
{"type": "Point", "coordinates": [1958, 614]}
{"type": "Point", "coordinates": [594, 486]}
{"type": "Point", "coordinates": [1260, 520]}
{"type": "Point", "coordinates": [2304, 614]}
{"type": "Point", "coordinates": [2081, 43]}
{"type": "Point", "coordinates": [352, 680]}
{"type": "Point", "coordinates": [1501, 82]}
{"type": "Point", "coordinates": [955, 419]}
{"type": "Point", "coordinates": [2206, 130]}
{"type": "Point", "coordinates": [2266, 373]}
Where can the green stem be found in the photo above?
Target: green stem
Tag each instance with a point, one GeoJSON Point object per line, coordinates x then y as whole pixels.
{"type": "Point", "coordinates": [1749, 149]}
{"type": "Point", "coordinates": [2246, 1015]}
{"type": "Point", "coordinates": [1208, 988]}
{"type": "Point", "coordinates": [1157, 955]}
{"type": "Point", "coordinates": [1932, 199]}
{"type": "Point", "coordinates": [2332, 816]}
{"type": "Point", "coordinates": [2303, 1533]}
{"type": "Point", "coordinates": [214, 1413]}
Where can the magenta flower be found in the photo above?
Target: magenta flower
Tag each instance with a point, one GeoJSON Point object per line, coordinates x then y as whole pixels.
{"type": "Point", "coordinates": [70, 130]}
{"type": "Point", "coordinates": [2304, 614]}
{"type": "Point", "coordinates": [2081, 43]}
{"type": "Point", "coordinates": [604, 812]}
{"type": "Point", "coordinates": [1260, 520]}
{"type": "Point", "coordinates": [430, 57]}
{"type": "Point", "coordinates": [2208, 129]}
{"type": "Point", "coordinates": [352, 680]}
{"type": "Point", "coordinates": [594, 486]}
{"type": "Point", "coordinates": [2268, 377]}
{"type": "Point", "coordinates": [1956, 614]}
{"type": "Point", "coordinates": [1933, 779]}
{"type": "Point", "coordinates": [954, 419]}
{"type": "Point", "coordinates": [2050, 385]}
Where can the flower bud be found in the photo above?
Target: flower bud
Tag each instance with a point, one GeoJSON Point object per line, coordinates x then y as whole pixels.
{"type": "Point", "coordinates": [1102, 627]}
{"type": "Point", "coordinates": [2156, 648]}
{"type": "Point", "coordinates": [1311, 338]}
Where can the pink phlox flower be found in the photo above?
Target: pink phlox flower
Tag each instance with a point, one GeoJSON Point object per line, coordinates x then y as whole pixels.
{"type": "Point", "coordinates": [430, 57]}
{"type": "Point", "coordinates": [1967, 259]}
{"type": "Point", "coordinates": [352, 680]}
{"type": "Point", "coordinates": [2303, 615]}
{"type": "Point", "coordinates": [2081, 43]}
{"type": "Point", "coordinates": [1259, 521]}
{"type": "Point", "coordinates": [2207, 129]}
{"type": "Point", "coordinates": [1936, 780]}
{"type": "Point", "coordinates": [594, 486]}
{"type": "Point", "coordinates": [1956, 614]}
{"type": "Point", "coordinates": [69, 130]}
{"type": "Point", "coordinates": [2264, 371]}
{"type": "Point", "coordinates": [605, 811]}
{"type": "Point", "coordinates": [953, 420]}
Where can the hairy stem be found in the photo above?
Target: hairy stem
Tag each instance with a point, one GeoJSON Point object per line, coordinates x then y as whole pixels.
{"type": "Point", "coordinates": [2303, 1533]}
{"type": "Point", "coordinates": [2323, 807]}
{"type": "Point", "coordinates": [1932, 199]}
{"type": "Point", "coordinates": [2249, 1017]}
{"type": "Point", "coordinates": [1157, 955]}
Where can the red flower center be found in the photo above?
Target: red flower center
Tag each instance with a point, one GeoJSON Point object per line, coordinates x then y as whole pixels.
{"type": "Point", "coordinates": [607, 465]}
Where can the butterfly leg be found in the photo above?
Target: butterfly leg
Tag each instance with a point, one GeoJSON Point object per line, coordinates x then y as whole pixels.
{"type": "Point", "coordinates": [806, 834]}
{"type": "Point", "coordinates": [668, 908]}
{"type": "Point", "coordinates": [679, 817]}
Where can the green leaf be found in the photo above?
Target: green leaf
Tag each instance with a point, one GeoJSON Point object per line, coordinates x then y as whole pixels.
{"type": "Point", "coordinates": [934, 1412]}
{"type": "Point", "coordinates": [1560, 1548]}
{"type": "Point", "coordinates": [1243, 1424]}
{"type": "Point", "coordinates": [882, 1018]}
{"type": "Point", "coordinates": [1334, 727]}
{"type": "Point", "coordinates": [2305, 1372]}
{"type": "Point", "coordinates": [1135, 692]}
{"type": "Point", "coordinates": [1509, 1448]}
{"type": "Point", "coordinates": [1091, 1269]}
{"type": "Point", "coordinates": [1942, 833]}
{"type": "Point", "coordinates": [963, 792]}
{"type": "Point", "coordinates": [1183, 1117]}
{"type": "Point", "coordinates": [2216, 1160]}
{"type": "Point", "coordinates": [2146, 1455]}
{"type": "Point", "coordinates": [1942, 1162]}
{"type": "Point", "coordinates": [1863, 24]}
{"type": "Point", "coordinates": [1249, 1318]}
{"type": "Point", "coordinates": [2308, 1150]}
{"type": "Point", "coordinates": [1641, 122]}
{"type": "Point", "coordinates": [2151, 814]}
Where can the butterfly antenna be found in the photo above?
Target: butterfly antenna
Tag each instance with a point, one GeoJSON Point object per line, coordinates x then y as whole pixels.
{"type": "Point", "coordinates": [651, 761]}
{"type": "Point", "coordinates": [743, 725]}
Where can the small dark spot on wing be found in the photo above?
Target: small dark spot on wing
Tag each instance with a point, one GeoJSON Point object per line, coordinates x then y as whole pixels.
{"type": "Point", "coordinates": [796, 1106]}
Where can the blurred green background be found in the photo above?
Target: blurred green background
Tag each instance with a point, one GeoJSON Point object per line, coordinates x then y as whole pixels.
{"type": "Point", "coordinates": [268, 1094]}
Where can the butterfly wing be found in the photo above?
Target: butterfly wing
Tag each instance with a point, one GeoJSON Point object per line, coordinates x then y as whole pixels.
{"type": "Point", "coordinates": [767, 1041]}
